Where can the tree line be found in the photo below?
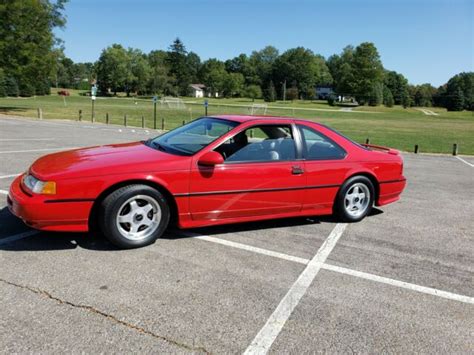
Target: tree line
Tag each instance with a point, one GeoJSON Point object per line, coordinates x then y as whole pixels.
{"type": "Point", "coordinates": [32, 60]}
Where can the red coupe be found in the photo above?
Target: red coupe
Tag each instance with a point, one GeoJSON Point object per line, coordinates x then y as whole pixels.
{"type": "Point", "coordinates": [214, 170]}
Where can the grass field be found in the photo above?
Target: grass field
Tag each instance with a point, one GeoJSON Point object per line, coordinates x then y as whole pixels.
{"type": "Point", "coordinates": [395, 127]}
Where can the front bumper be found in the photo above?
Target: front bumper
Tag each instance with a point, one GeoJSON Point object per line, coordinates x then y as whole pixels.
{"type": "Point", "coordinates": [36, 212]}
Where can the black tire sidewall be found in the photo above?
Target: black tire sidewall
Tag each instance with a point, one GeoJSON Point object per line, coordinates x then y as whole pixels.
{"type": "Point", "coordinates": [110, 208]}
{"type": "Point", "coordinates": [339, 205]}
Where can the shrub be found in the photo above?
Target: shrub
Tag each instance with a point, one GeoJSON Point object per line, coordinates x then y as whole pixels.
{"type": "Point", "coordinates": [11, 87]}
{"type": "Point", "coordinates": [292, 94]}
{"type": "Point", "coordinates": [332, 100]}
{"type": "Point", "coordinates": [253, 92]}
{"type": "Point", "coordinates": [27, 89]}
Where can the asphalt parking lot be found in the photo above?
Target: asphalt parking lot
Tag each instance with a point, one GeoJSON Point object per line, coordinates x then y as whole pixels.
{"type": "Point", "coordinates": [402, 280]}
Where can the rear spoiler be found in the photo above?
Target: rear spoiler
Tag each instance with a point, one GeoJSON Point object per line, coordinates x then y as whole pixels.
{"type": "Point", "coordinates": [381, 148]}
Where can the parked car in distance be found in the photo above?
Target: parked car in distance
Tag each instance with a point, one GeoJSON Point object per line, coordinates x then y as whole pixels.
{"type": "Point", "coordinates": [63, 93]}
{"type": "Point", "coordinates": [213, 170]}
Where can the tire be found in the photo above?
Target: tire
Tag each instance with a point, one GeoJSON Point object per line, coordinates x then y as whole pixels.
{"type": "Point", "coordinates": [134, 216]}
{"type": "Point", "coordinates": [352, 204]}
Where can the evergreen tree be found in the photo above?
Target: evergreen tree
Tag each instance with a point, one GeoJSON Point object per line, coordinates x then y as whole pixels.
{"type": "Point", "coordinates": [464, 83]}
{"type": "Point", "coordinates": [397, 84]}
{"type": "Point", "coordinates": [367, 71]}
{"type": "Point", "coordinates": [2, 83]}
{"type": "Point", "coordinates": [387, 97]}
{"type": "Point", "coordinates": [180, 69]}
{"type": "Point", "coordinates": [376, 94]}
{"type": "Point", "coordinates": [11, 87]}
{"type": "Point", "coordinates": [405, 98]}
{"type": "Point", "coordinates": [456, 101]}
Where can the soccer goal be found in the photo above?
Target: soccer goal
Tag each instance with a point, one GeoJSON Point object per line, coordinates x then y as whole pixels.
{"type": "Point", "coordinates": [256, 109]}
{"type": "Point", "coordinates": [174, 103]}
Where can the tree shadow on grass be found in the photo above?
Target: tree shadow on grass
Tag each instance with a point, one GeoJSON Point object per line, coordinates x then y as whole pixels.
{"type": "Point", "coordinates": [10, 109]}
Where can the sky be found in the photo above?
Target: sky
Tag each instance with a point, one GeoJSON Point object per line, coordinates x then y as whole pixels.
{"type": "Point", "coordinates": [428, 41]}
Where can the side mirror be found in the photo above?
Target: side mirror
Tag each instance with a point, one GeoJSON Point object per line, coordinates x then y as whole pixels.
{"type": "Point", "coordinates": [210, 159]}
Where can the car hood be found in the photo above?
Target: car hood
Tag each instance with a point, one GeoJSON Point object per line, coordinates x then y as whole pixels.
{"type": "Point", "coordinates": [106, 160]}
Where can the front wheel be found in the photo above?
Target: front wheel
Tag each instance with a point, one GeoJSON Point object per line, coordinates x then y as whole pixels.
{"type": "Point", "coordinates": [134, 216]}
{"type": "Point", "coordinates": [355, 199]}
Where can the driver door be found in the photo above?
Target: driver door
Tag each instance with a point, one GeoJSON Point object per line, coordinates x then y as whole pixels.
{"type": "Point", "coordinates": [260, 176]}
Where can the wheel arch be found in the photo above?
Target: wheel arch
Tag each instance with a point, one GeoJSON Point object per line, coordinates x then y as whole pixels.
{"type": "Point", "coordinates": [368, 175]}
{"type": "Point", "coordinates": [93, 222]}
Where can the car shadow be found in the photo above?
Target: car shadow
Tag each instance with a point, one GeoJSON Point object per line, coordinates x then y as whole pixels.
{"type": "Point", "coordinates": [50, 241]}
{"type": "Point", "coordinates": [260, 225]}
{"type": "Point", "coordinates": [250, 226]}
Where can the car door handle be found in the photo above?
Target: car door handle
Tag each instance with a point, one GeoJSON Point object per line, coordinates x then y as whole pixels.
{"type": "Point", "coordinates": [297, 170]}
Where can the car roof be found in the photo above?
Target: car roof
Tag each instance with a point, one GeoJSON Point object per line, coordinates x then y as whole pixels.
{"type": "Point", "coordinates": [246, 118]}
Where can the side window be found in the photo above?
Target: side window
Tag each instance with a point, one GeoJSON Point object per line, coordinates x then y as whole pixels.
{"type": "Point", "coordinates": [320, 147]}
{"type": "Point", "coordinates": [260, 144]}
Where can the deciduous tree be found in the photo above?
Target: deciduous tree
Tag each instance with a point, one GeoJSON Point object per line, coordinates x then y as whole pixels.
{"type": "Point", "coordinates": [27, 42]}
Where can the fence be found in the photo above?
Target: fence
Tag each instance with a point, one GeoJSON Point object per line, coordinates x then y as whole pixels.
{"type": "Point", "coordinates": [382, 129]}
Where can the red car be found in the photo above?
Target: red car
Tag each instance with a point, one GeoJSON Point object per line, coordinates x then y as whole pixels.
{"type": "Point", "coordinates": [214, 170]}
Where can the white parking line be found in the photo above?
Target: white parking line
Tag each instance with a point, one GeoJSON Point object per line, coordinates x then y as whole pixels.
{"type": "Point", "coordinates": [341, 270]}
{"type": "Point", "coordinates": [406, 285]}
{"type": "Point", "coordinates": [267, 335]}
{"type": "Point", "coordinates": [466, 162]}
{"type": "Point", "coordinates": [18, 237]}
{"type": "Point", "coordinates": [36, 150]}
{"type": "Point", "coordinates": [8, 176]}
{"type": "Point", "coordinates": [247, 247]}
{"type": "Point", "coordinates": [3, 192]}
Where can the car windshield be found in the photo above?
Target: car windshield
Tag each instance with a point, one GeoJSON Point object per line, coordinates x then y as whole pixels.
{"type": "Point", "coordinates": [192, 137]}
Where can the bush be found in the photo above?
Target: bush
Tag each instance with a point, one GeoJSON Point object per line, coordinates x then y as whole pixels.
{"type": "Point", "coordinates": [11, 87]}
{"type": "Point", "coordinates": [27, 89]}
{"type": "Point", "coordinates": [332, 100]}
{"type": "Point", "coordinates": [292, 94]}
{"type": "Point", "coordinates": [43, 87]}
{"type": "Point", "coordinates": [253, 92]}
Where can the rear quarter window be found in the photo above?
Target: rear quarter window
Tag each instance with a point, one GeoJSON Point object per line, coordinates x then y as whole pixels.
{"type": "Point", "coordinates": [319, 147]}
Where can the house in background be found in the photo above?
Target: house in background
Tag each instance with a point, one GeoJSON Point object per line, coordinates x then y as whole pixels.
{"type": "Point", "coordinates": [323, 92]}
{"type": "Point", "coordinates": [197, 90]}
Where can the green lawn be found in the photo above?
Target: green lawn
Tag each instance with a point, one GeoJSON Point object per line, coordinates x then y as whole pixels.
{"type": "Point", "coordinates": [395, 127]}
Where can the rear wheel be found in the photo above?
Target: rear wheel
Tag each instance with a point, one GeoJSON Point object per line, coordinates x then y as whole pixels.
{"type": "Point", "coordinates": [134, 216]}
{"type": "Point", "coordinates": [355, 199]}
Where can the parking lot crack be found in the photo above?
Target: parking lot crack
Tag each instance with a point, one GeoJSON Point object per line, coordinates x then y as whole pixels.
{"type": "Point", "coordinates": [110, 317]}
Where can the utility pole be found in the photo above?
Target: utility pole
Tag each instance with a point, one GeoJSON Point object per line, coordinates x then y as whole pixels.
{"type": "Point", "coordinates": [284, 90]}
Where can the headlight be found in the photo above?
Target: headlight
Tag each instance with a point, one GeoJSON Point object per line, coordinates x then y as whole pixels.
{"type": "Point", "coordinates": [38, 186]}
